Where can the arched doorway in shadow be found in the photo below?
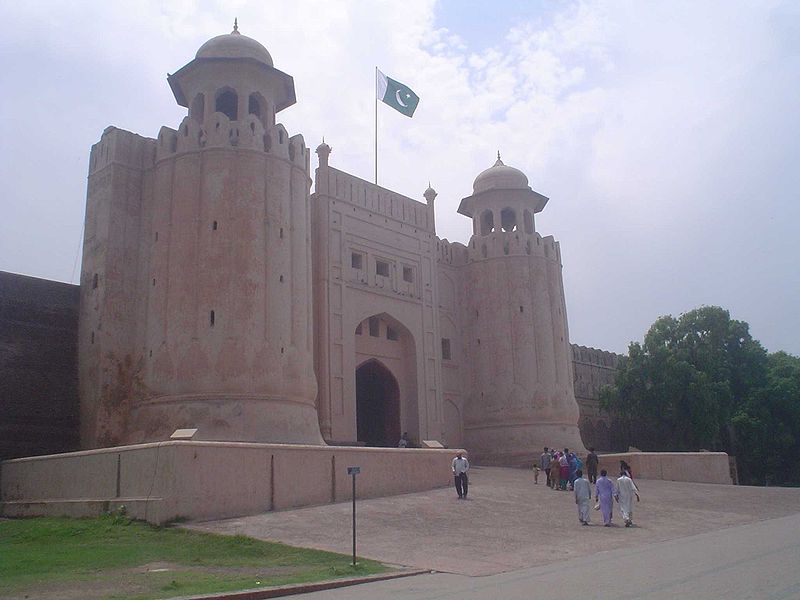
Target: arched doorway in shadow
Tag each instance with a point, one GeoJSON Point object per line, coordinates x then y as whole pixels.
{"type": "Point", "coordinates": [377, 405]}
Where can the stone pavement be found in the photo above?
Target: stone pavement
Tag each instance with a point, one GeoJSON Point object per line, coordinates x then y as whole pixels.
{"type": "Point", "coordinates": [508, 523]}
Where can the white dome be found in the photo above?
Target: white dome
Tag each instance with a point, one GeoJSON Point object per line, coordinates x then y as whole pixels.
{"type": "Point", "coordinates": [500, 177]}
{"type": "Point", "coordinates": [234, 45]}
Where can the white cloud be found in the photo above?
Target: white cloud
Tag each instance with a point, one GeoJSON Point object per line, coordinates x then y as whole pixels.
{"type": "Point", "coordinates": [663, 133]}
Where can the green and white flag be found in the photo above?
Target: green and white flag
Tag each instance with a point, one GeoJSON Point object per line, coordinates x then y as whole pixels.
{"type": "Point", "coordinates": [400, 97]}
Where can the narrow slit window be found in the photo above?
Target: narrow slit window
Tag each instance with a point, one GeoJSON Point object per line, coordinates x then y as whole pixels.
{"type": "Point", "coordinates": [212, 318]}
{"type": "Point", "coordinates": [445, 349]}
{"type": "Point", "coordinates": [408, 274]}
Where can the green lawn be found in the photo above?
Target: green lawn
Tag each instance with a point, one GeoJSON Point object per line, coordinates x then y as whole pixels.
{"type": "Point", "coordinates": [115, 558]}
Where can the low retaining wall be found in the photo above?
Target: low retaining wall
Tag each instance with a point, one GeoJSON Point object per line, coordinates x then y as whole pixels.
{"type": "Point", "coordinates": [699, 467]}
{"type": "Point", "coordinates": [164, 481]}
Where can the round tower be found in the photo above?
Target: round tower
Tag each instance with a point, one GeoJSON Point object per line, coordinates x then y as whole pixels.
{"type": "Point", "coordinates": [226, 310]}
{"type": "Point", "coordinates": [522, 394]}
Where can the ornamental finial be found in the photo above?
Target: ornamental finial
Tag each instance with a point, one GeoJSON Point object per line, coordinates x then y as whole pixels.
{"type": "Point", "coordinates": [235, 25]}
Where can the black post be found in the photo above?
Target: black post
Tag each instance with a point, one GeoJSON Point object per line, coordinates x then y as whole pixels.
{"type": "Point", "coordinates": [354, 519]}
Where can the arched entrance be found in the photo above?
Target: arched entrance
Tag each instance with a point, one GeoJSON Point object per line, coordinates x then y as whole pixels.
{"type": "Point", "coordinates": [377, 405]}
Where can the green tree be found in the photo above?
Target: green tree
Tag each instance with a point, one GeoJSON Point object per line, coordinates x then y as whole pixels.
{"type": "Point", "coordinates": [687, 380]}
{"type": "Point", "coordinates": [767, 426]}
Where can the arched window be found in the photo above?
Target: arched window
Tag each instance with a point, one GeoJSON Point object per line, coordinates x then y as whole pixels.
{"type": "Point", "coordinates": [228, 104]}
{"type": "Point", "coordinates": [487, 222]}
{"type": "Point", "coordinates": [198, 108]}
{"type": "Point", "coordinates": [508, 219]}
{"type": "Point", "coordinates": [256, 105]}
{"type": "Point", "coordinates": [528, 222]}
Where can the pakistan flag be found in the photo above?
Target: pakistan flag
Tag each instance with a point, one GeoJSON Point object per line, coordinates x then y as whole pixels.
{"type": "Point", "coordinates": [397, 95]}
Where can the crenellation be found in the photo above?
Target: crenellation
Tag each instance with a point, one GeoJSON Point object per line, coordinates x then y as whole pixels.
{"type": "Point", "coordinates": [117, 146]}
{"type": "Point", "coordinates": [502, 244]}
{"type": "Point", "coordinates": [362, 194]}
{"type": "Point", "coordinates": [167, 142]}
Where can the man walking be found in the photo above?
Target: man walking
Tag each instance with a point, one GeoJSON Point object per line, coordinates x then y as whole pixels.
{"type": "Point", "coordinates": [460, 468]}
{"type": "Point", "coordinates": [583, 494]}
{"type": "Point", "coordinates": [626, 490]}
{"type": "Point", "coordinates": [544, 463]}
{"type": "Point", "coordinates": [604, 494]}
{"type": "Point", "coordinates": [591, 465]}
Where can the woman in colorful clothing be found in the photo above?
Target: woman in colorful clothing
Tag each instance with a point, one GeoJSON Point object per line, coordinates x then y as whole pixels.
{"type": "Point", "coordinates": [563, 471]}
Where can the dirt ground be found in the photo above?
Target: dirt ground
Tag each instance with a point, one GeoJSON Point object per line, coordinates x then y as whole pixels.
{"type": "Point", "coordinates": [508, 523]}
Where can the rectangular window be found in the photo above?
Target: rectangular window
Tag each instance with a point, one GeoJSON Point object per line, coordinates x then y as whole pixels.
{"type": "Point", "coordinates": [391, 334]}
{"type": "Point", "coordinates": [408, 274]}
{"type": "Point", "coordinates": [382, 268]}
{"type": "Point", "coordinates": [357, 260]}
{"type": "Point", "coordinates": [445, 349]}
{"type": "Point", "coordinates": [374, 326]}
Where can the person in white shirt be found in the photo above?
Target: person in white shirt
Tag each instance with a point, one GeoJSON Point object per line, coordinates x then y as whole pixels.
{"type": "Point", "coordinates": [625, 492]}
{"type": "Point", "coordinates": [583, 494]}
{"type": "Point", "coordinates": [403, 443]}
{"type": "Point", "coordinates": [460, 468]}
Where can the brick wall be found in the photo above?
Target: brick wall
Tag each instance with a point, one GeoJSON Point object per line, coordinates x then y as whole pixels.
{"type": "Point", "coordinates": [38, 366]}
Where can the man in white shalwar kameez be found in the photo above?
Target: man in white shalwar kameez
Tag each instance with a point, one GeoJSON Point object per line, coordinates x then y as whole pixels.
{"type": "Point", "coordinates": [626, 490]}
{"type": "Point", "coordinates": [583, 495]}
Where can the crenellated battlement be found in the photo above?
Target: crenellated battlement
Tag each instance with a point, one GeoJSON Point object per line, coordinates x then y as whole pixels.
{"type": "Point", "coordinates": [513, 243]}
{"type": "Point", "coordinates": [451, 253]}
{"type": "Point", "coordinates": [122, 147]}
{"type": "Point", "coordinates": [218, 131]}
{"type": "Point", "coordinates": [348, 188]}
{"type": "Point", "coordinates": [593, 356]}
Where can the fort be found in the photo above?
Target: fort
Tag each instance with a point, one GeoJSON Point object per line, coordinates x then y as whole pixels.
{"type": "Point", "coordinates": [219, 293]}
{"type": "Point", "coordinates": [283, 327]}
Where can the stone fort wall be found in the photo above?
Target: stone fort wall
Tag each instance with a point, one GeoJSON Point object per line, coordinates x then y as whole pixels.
{"type": "Point", "coordinates": [39, 377]}
{"type": "Point", "coordinates": [592, 370]}
{"type": "Point", "coordinates": [38, 366]}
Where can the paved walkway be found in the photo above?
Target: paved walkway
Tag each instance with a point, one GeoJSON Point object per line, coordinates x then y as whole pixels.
{"type": "Point", "coordinates": [508, 523]}
{"type": "Point", "coordinates": [757, 561]}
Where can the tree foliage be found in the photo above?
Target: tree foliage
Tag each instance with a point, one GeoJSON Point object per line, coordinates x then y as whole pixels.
{"type": "Point", "coordinates": [767, 426]}
{"type": "Point", "coordinates": [702, 381]}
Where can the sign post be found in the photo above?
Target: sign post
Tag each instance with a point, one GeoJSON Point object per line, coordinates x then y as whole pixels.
{"type": "Point", "coordinates": [354, 471]}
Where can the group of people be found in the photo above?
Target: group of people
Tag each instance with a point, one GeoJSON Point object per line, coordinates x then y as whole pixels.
{"type": "Point", "coordinates": [564, 471]}
{"type": "Point", "coordinates": [561, 468]}
{"type": "Point", "coordinates": [606, 491]}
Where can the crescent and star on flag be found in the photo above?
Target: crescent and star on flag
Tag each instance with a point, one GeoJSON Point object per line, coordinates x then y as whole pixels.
{"type": "Point", "coordinates": [396, 94]}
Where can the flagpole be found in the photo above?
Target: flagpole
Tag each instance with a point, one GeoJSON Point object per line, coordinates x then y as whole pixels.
{"type": "Point", "coordinates": [376, 125]}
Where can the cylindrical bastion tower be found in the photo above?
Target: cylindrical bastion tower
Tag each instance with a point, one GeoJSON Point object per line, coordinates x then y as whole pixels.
{"type": "Point", "coordinates": [218, 334]}
{"type": "Point", "coordinates": [515, 326]}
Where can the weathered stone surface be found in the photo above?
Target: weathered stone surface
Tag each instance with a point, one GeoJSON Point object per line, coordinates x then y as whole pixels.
{"type": "Point", "coordinates": [38, 366]}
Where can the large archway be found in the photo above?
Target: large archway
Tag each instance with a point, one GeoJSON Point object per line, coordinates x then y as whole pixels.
{"type": "Point", "coordinates": [377, 405]}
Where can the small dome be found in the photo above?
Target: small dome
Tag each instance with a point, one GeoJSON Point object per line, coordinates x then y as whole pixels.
{"type": "Point", "coordinates": [430, 194]}
{"type": "Point", "coordinates": [324, 148]}
{"type": "Point", "coordinates": [500, 176]}
{"type": "Point", "coordinates": [234, 45]}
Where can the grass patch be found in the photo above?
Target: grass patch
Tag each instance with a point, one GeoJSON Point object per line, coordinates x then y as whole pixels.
{"type": "Point", "coordinates": [116, 558]}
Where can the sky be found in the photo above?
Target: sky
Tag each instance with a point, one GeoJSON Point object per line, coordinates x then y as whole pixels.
{"type": "Point", "coordinates": [666, 134]}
